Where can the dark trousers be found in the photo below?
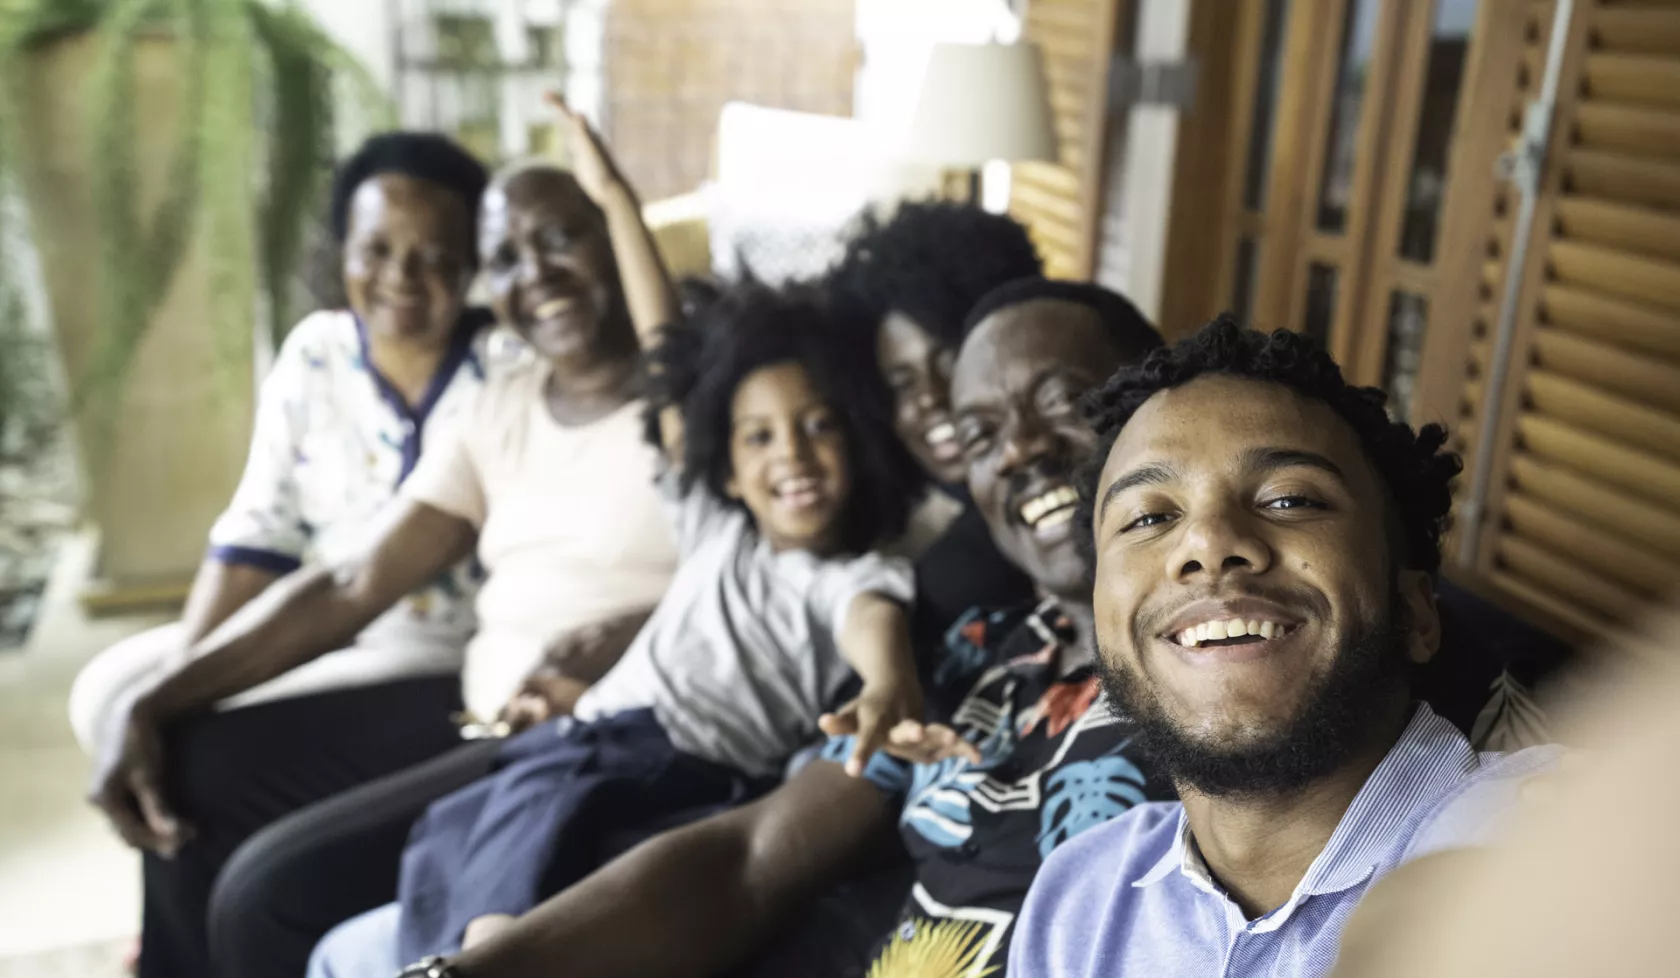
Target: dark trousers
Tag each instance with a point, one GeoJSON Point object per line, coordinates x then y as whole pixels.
{"type": "Point", "coordinates": [316, 868]}
{"type": "Point", "coordinates": [230, 774]}
{"type": "Point", "coordinates": [547, 818]}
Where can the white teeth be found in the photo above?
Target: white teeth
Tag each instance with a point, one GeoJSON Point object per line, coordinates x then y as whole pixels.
{"type": "Point", "coordinates": [1035, 508]}
{"type": "Point", "coordinates": [1209, 631]}
{"type": "Point", "coordinates": [1055, 519]}
{"type": "Point", "coordinates": [940, 433]}
{"type": "Point", "coordinates": [551, 308]}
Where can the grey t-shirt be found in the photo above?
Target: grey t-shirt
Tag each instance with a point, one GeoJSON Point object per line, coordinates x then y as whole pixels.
{"type": "Point", "coordinates": [742, 655]}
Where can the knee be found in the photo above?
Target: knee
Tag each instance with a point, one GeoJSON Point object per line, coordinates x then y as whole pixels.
{"type": "Point", "coordinates": [362, 947]}
{"type": "Point", "coordinates": [111, 675]}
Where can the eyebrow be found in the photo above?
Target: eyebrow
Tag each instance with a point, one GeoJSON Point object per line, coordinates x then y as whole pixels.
{"type": "Point", "coordinates": [1267, 459]}
{"type": "Point", "coordinates": [1148, 475]}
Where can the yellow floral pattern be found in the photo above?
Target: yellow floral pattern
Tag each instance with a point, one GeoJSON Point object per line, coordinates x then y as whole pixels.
{"type": "Point", "coordinates": [923, 949]}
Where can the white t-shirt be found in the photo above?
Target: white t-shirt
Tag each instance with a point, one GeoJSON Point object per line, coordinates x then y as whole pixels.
{"type": "Point", "coordinates": [571, 531]}
{"type": "Point", "coordinates": [331, 443]}
{"type": "Point", "coordinates": [743, 654]}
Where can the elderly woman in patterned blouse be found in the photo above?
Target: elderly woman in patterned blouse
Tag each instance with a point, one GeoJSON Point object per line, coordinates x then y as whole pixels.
{"type": "Point", "coordinates": [353, 396]}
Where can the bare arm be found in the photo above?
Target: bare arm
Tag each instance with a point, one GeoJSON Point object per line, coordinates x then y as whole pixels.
{"type": "Point", "coordinates": [313, 611]}
{"type": "Point", "coordinates": [647, 285]}
{"type": "Point", "coordinates": [219, 590]}
{"type": "Point", "coordinates": [701, 898]}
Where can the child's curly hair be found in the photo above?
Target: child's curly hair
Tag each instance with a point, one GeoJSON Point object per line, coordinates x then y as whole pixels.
{"type": "Point", "coordinates": [753, 326]}
{"type": "Point", "coordinates": [1416, 473]}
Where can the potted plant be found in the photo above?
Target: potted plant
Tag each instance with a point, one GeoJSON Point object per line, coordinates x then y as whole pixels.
{"type": "Point", "coordinates": [171, 154]}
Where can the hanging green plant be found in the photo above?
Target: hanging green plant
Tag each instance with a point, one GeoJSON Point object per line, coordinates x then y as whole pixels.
{"type": "Point", "coordinates": [254, 142]}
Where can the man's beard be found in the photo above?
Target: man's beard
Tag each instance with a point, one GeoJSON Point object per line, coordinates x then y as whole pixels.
{"type": "Point", "coordinates": [1339, 718]}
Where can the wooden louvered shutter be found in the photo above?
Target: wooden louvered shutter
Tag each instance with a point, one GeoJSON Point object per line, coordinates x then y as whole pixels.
{"type": "Point", "coordinates": [1059, 202]}
{"type": "Point", "coordinates": [1582, 518]}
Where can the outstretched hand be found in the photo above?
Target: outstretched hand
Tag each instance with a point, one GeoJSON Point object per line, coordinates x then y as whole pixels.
{"type": "Point", "coordinates": [882, 718]}
{"type": "Point", "coordinates": [592, 164]}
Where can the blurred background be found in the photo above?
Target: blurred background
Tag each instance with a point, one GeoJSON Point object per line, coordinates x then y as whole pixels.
{"type": "Point", "coordinates": [1474, 204]}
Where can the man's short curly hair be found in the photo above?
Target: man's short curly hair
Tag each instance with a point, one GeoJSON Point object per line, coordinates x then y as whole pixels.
{"type": "Point", "coordinates": [1415, 471]}
{"type": "Point", "coordinates": [754, 326]}
{"type": "Point", "coordinates": [423, 155]}
{"type": "Point", "coordinates": [931, 260]}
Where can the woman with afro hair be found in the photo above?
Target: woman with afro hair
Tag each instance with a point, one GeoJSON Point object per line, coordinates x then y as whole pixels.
{"type": "Point", "coordinates": [909, 281]}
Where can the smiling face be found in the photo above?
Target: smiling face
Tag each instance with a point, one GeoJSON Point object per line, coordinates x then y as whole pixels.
{"type": "Point", "coordinates": [406, 263]}
{"type": "Point", "coordinates": [1248, 607]}
{"type": "Point", "coordinates": [549, 267]}
{"type": "Point", "coordinates": [1015, 389]}
{"type": "Point", "coordinates": [788, 461]}
{"type": "Point", "coordinates": [917, 368]}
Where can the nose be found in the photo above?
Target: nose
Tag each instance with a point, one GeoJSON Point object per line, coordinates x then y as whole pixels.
{"type": "Point", "coordinates": [1026, 441]}
{"type": "Point", "coordinates": [795, 446]}
{"type": "Point", "coordinates": [1216, 541]}
{"type": "Point", "coordinates": [407, 266]}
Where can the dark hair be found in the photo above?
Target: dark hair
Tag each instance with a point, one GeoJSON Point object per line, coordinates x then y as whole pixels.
{"type": "Point", "coordinates": [422, 155]}
{"type": "Point", "coordinates": [1416, 473]}
{"type": "Point", "coordinates": [931, 260]}
{"type": "Point", "coordinates": [754, 326]}
{"type": "Point", "coordinates": [1130, 329]}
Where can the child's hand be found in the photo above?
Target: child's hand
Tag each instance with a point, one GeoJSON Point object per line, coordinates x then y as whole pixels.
{"type": "Point", "coordinates": [592, 165]}
{"type": "Point", "coordinates": [871, 718]}
{"type": "Point", "coordinates": [929, 743]}
{"type": "Point", "coordinates": [543, 696]}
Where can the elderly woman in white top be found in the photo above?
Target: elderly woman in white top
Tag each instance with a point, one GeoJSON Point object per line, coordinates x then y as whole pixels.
{"type": "Point", "coordinates": [354, 396]}
{"type": "Point", "coordinates": [548, 479]}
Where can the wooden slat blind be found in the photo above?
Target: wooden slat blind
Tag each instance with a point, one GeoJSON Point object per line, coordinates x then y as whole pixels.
{"type": "Point", "coordinates": [1583, 517]}
{"type": "Point", "coordinates": [1059, 202]}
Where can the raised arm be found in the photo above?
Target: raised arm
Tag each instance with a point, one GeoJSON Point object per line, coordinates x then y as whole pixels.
{"type": "Point", "coordinates": [699, 899]}
{"type": "Point", "coordinates": [304, 615]}
{"type": "Point", "coordinates": [647, 285]}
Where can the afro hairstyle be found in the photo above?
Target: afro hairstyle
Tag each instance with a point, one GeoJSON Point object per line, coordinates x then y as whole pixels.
{"type": "Point", "coordinates": [932, 260]}
{"type": "Point", "coordinates": [752, 326]}
{"type": "Point", "coordinates": [1413, 467]}
{"type": "Point", "coordinates": [421, 155]}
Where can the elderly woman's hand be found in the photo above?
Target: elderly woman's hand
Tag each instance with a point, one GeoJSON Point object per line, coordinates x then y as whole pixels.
{"type": "Point", "coordinates": [591, 163]}
{"type": "Point", "coordinates": [128, 784]}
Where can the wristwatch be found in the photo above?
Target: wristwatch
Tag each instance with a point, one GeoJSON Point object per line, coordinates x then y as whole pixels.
{"type": "Point", "coordinates": [432, 967]}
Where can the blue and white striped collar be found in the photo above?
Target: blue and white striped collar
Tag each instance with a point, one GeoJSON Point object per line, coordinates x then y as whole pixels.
{"type": "Point", "coordinates": [1430, 759]}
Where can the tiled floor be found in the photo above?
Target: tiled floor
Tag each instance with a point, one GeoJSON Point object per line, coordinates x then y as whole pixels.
{"type": "Point", "coordinates": [69, 892]}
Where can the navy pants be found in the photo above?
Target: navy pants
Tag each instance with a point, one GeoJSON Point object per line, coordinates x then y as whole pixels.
{"type": "Point", "coordinates": [547, 818]}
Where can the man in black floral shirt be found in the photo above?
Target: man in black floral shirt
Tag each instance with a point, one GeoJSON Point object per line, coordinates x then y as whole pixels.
{"type": "Point", "coordinates": [1028, 757]}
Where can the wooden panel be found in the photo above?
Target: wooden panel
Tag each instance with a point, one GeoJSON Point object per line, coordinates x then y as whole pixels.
{"type": "Point", "coordinates": [1633, 78]}
{"type": "Point", "coordinates": [1596, 503]}
{"type": "Point", "coordinates": [1639, 279]}
{"type": "Point", "coordinates": [1615, 177]}
{"type": "Point", "coordinates": [1561, 577]}
{"type": "Point", "coordinates": [1638, 30]}
{"type": "Point", "coordinates": [1616, 419]}
{"type": "Point", "coordinates": [1589, 312]}
{"type": "Point", "coordinates": [1641, 378]}
{"type": "Point", "coordinates": [1059, 203]}
{"type": "Point", "coordinates": [1631, 229]}
{"type": "Point", "coordinates": [1564, 618]}
{"type": "Point", "coordinates": [1637, 570]}
{"type": "Point", "coordinates": [1628, 129]}
{"type": "Point", "coordinates": [1637, 472]}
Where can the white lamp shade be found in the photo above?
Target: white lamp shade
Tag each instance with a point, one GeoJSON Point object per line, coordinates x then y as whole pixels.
{"type": "Point", "coordinates": [983, 102]}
